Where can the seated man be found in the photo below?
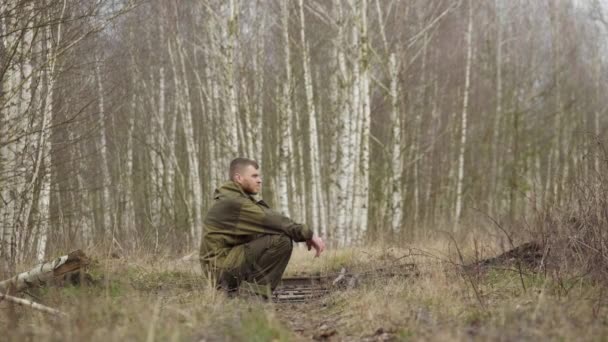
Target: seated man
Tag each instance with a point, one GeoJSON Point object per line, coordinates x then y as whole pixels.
{"type": "Point", "coordinates": [244, 241]}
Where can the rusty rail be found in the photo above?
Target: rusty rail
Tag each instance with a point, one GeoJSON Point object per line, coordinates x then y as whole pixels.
{"type": "Point", "coordinates": [305, 288]}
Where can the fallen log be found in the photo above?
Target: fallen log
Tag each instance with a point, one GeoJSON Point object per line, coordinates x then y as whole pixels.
{"type": "Point", "coordinates": [45, 272]}
{"type": "Point", "coordinates": [529, 255]}
{"type": "Point", "coordinates": [31, 304]}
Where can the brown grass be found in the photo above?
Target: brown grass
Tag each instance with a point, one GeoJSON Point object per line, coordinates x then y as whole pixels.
{"type": "Point", "coordinates": [146, 298]}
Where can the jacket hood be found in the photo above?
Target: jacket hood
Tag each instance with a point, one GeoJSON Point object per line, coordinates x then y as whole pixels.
{"type": "Point", "coordinates": [230, 189]}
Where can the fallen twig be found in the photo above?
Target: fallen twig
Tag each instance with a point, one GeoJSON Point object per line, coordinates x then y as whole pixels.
{"type": "Point", "coordinates": [31, 304]}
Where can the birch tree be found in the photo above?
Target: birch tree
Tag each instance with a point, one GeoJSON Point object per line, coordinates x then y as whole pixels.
{"type": "Point", "coordinates": [396, 156]}
{"type": "Point", "coordinates": [465, 108]}
{"type": "Point", "coordinates": [286, 148]}
{"type": "Point", "coordinates": [319, 221]}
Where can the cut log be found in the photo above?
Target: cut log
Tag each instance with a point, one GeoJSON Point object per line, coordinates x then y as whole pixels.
{"type": "Point", "coordinates": [31, 304]}
{"type": "Point", "coordinates": [45, 272]}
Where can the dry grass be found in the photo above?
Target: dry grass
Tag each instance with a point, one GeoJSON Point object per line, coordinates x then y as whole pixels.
{"type": "Point", "coordinates": [145, 299]}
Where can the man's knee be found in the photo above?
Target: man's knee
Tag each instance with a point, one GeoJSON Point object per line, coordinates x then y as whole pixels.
{"type": "Point", "coordinates": [283, 243]}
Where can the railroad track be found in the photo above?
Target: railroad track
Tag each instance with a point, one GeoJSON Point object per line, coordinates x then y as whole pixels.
{"type": "Point", "coordinates": [302, 289]}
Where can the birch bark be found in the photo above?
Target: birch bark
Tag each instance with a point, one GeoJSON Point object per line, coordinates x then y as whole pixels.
{"type": "Point", "coordinates": [346, 138]}
{"type": "Point", "coordinates": [465, 108]}
{"type": "Point", "coordinates": [319, 221]}
{"type": "Point", "coordinates": [232, 142]}
{"type": "Point", "coordinates": [396, 213]}
{"type": "Point", "coordinates": [362, 185]}
{"type": "Point", "coordinates": [258, 88]}
{"type": "Point", "coordinates": [495, 171]}
{"type": "Point", "coordinates": [18, 160]}
{"type": "Point", "coordinates": [285, 149]}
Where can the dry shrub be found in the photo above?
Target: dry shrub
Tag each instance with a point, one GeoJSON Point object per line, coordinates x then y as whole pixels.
{"type": "Point", "coordinates": [575, 233]}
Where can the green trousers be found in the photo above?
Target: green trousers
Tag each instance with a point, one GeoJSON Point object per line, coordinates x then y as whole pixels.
{"type": "Point", "coordinates": [262, 267]}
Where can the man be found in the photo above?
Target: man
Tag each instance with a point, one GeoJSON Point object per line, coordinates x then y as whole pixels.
{"type": "Point", "coordinates": [246, 244]}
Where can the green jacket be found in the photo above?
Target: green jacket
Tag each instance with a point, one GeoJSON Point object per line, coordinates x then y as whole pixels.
{"type": "Point", "coordinates": [237, 218]}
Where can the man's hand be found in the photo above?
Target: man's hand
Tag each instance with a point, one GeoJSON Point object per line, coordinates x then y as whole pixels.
{"type": "Point", "coordinates": [316, 243]}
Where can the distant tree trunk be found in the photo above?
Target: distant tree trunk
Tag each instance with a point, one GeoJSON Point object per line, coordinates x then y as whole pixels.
{"type": "Point", "coordinates": [213, 115]}
{"type": "Point", "coordinates": [465, 109]}
{"type": "Point", "coordinates": [18, 161]}
{"type": "Point", "coordinates": [160, 143]}
{"type": "Point", "coordinates": [333, 206]}
{"type": "Point", "coordinates": [416, 132]}
{"type": "Point", "coordinates": [105, 210]}
{"type": "Point", "coordinates": [129, 211]}
{"type": "Point", "coordinates": [185, 111]}
{"type": "Point", "coordinates": [554, 163]}
{"type": "Point", "coordinates": [232, 141]}
{"type": "Point", "coordinates": [44, 146]}
{"type": "Point", "coordinates": [319, 222]}
{"type": "Point", "coordinates": [495, 171]}
{"type": "Point", "coordinates": [258, 81]}
{"type": "Point", "coordinates": [363, 171]}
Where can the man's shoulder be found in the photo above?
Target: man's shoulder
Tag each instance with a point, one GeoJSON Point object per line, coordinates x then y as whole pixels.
{"type": "Point", "coordinates": [224, 212]}
{"type": "Point", "coordinates": [229, 201]}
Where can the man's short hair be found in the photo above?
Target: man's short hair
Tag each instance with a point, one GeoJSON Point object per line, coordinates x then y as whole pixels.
{"type": "Point", "coordinates": [238, 164]}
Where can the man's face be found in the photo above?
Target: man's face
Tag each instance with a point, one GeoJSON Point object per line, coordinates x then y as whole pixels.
{"type": "Point", "coordinates": [249, 179]}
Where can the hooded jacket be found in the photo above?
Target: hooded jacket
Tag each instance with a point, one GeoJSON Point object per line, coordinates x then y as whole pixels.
{"type": "Point", "coordinates": [236, 218]}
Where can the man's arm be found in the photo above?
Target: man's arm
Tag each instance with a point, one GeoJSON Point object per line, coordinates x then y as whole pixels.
{"type": "Point", "coordinates": [255, 220]}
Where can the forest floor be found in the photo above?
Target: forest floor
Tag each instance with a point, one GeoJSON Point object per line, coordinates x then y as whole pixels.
{"type": "Point", "coordinates": [152, 298]}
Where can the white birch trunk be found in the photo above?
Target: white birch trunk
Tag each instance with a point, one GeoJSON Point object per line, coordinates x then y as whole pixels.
{"type": "Point", "coordinates": [355, 129]}
{"type": "Point", "coordinates": [465, 108]}
{"type": "Point", "coordinates": [248, 131]}
{"type": "Point", "coordinates": [45, 174]}
{"type": "Point", "coordinates": [22, 167]}
{"type": "Point", "coordinates": [366, 124]}
{"type": "Point", "coordinates": [318, 209]}
{"type": "Point", "coordinates": [258, 97]}
{"type": "Point", "coordinates": [346, 140]}
{"type": "Point", "coordinates": [7, 155]}
{"type": "Point", "coordinates": [45, 272]}
{"type": "Point", "coordinates": [362, 109]}
{"type": "Point", "coordinates": [286, 148]}
{"type": "Point", "coordinates": [334, 189]}
{"type": "Point", "coordinates": [232, 142]}
{"type": "Point", "coordinates": [396, 213]}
